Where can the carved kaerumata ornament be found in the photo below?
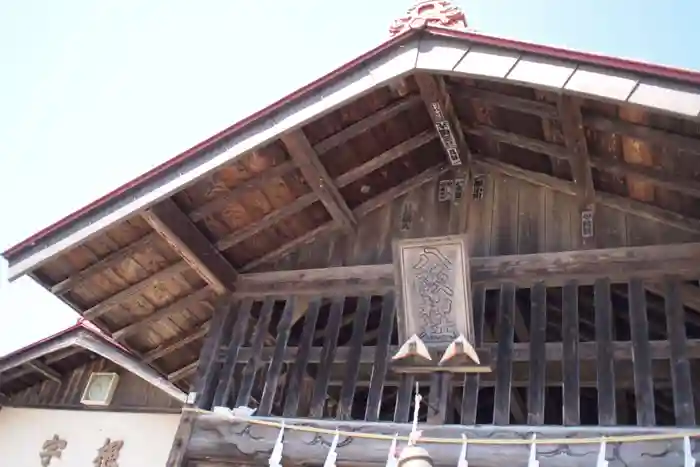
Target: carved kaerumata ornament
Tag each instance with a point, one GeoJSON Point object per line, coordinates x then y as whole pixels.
{"type": "Point", "coordinates": [440, 13]}
{"type": "Point", "coordinates": [52, 449]}
{"type": "Point", "coordinates": [108, 454]}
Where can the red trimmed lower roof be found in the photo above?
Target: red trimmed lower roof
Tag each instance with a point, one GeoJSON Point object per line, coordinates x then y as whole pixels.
{"type": "Point", "coordinates": [677, 74]}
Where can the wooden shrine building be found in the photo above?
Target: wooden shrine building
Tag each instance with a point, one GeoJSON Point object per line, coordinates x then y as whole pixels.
{"type": "Point", "coordinates": [526, 216]}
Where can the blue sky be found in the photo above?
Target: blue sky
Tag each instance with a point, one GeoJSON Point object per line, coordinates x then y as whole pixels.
{"type": "Point", "coordinates": [92, 93]}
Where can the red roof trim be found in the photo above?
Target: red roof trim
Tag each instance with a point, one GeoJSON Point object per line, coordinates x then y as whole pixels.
{"type": "Point", "coordinates": [661, 71]}
{"type": "Point", "coordinates": [82, 323]}
{"type": "Point", "coordinates": [683, 75]}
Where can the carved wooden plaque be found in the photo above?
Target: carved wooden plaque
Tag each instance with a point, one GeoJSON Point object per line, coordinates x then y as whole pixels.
{"type": "Point", "coordinates": [433, 288]}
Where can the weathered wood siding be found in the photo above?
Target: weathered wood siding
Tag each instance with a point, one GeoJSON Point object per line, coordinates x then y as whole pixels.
{"type": "Point", "coordinates": [132, 393]}
{"type": "Point", "coordinates": [512, 217]}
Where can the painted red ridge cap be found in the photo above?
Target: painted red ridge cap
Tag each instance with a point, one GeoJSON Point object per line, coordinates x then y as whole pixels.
{"type": "Point", "coordinates": [206, 143]}
{"type": "Point", "coordinates": [679, 74]}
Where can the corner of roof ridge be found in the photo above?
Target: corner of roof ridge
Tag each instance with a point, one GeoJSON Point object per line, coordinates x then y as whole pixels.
{"type": "Point", "coordinates": [434, 13]}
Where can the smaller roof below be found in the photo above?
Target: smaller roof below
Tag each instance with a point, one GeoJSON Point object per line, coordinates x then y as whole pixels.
{"type": "Point", "coordinates": [55, 357]}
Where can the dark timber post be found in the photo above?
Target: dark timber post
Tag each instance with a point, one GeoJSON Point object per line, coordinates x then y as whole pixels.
{"type": "Point", "coordinates": [204, 385]}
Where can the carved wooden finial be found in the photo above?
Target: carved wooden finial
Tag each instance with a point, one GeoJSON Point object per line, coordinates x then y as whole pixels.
{"type": "Point", "coordinates": [439, 13]}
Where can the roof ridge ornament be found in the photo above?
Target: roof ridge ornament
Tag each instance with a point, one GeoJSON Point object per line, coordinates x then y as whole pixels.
{"type": "Point", "coordinates": [437, 13]}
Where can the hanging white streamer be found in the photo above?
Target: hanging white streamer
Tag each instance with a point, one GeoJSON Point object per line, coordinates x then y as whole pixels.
{"type": "Point", "coordinates": [276, 455]}
{"type": "Point", "coordinates": [332, 455]}
{"type": "Point", "coordinates": [688, 459]}
{"type": "Point", "coordinates": [532, 460]}
{"type": "Point", "coordinates": [391, 459]}
{"type": "Point", "coordinates": [415, 433]}
{"type": "Point", "coordinates": [601, 462]}
{"type": "Point", "coordinates": [462, 462]}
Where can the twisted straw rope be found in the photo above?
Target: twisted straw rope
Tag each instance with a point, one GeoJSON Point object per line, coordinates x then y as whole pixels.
{"type": "Point", "coordinates": [460, 441]}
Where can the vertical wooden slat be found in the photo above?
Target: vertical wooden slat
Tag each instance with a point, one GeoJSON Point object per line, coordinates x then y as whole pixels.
{"type": "Point", "coordinates": [205, 381]}
{"type": "Point", "coordinates": [569, 337]}
{"type": "Point", "coordinates": [291, 403]}
{"type": "Point", "coordinates": [641, 354]}
{"type": "Point", "coordinates": [683, 404]}
{"type": "Point", "coordinates": [275, 368]}
{"type": "Point", "coordinates": [381, 359]}
{"type": "Point", "coordinates": [330, 344]}
{"type": "Point", "coordinates": [538, 361]}
{"type": "Point", "coordinates": [258, 339]}
{"type": "Point", "coordinates": [504, 370]}
{"type": "Point", "coordinates": [607, 411]}
{"type": "Point", "coordinates": [404, 397]}
{"type": "Point", "coordinates": [225, 386]}
{"type": "Point", "coordinates": [440, 385]}
{"type": "Point", "coordinates": [353, 365]}
{"type": "Point", "coordinates": [471, 381]}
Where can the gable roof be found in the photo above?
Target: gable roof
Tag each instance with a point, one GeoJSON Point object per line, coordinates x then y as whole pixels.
{"type": "Point", "coordinates": [369, 126]}
{"type": "Point", "coordinates": [79, 338]}
{"type": "Point", "coordinates": [441, 50]}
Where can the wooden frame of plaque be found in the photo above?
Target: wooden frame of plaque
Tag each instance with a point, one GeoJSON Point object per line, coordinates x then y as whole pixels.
{"type": "Point", "coordinates": [434, 300]}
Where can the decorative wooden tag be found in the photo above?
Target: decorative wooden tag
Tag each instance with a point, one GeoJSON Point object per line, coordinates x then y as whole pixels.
{"type": "Point", "coordinates": [434, 311]}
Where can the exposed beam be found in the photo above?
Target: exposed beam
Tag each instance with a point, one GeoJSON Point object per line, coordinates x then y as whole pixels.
{"type": "Point", "coordinates": [176, 343]}
{"type": "Point", "coordinates": [168, 220]}
{"type": "Point", "coordinates": [597, 122]}
{"type": "Point", "coordinates": [49, 359]}
{"type": "Point", "coordinates": [308, 199]}
{"type": "Point", "coordinates": [111, 260]}
{"type": "Point", "coordinates": [192, 299]}
{"type": "Point", "coordinates": [106, 305]}
{"type": "Point", "coordinates": [323, 146]}
{"type": "Point", "coordinates": [255, 182]}
{"type": "Point", "coordinates": [45, 370]}
{"type": "Point", "coordinates": [315, 174]}
{"type": "Point", "coordinates": [555, 269]}
{"type": "Point", "coordinates": [359, 212]}
{"type": "Point", "coordinates": [579, 159]}
{"type": "Point", "coordinates": [616, 167]}
{"type": "Point", "coordinates": [439, 105]}
{"type": "Point", "coordinates": [619, 203]}
{"type": "Point", "coordinates": [357, 128]}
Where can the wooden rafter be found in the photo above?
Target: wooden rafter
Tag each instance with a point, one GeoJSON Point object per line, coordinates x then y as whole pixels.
{"type": "Point", "coordinates": [359, 212]}
{"type": "Point", "coordinates": [45, 370]}
{"type": "Point", "coordinates": [106, 305]}
{"type": "Point", "coordinates": [322, 147]}
{"type": "Point", "coordinates": [579, 159]}
{"type": "Point", "coordinates": [341, 181]}
{"type": "Point", "coordinates": [439, 105]}
{"type": "Point", "coordinates": [303, 154]}
{"type": "Point", "coordinates": [176, 343]}
{"type": "Point", "coordinates": [168, 220]}
{"type": "Point", "coordinates": [619, 203]}
{"type": "Point", "coordinates": [613, 166]}
{"type": "Point", "coordinates": [109, 261]}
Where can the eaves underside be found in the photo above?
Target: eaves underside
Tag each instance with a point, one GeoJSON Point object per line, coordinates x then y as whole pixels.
{"type": "Point", "coordinates": [667, 91]}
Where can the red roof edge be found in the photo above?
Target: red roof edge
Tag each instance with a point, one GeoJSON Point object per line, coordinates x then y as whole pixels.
{"type": "Point", "coordinates": [661, 71]}
{"type": "Point", "coordinates": [82, 323]}
{"type": "Point", "coordinates": [687, 76]}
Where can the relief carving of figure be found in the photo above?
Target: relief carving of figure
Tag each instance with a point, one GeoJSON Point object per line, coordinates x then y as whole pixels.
{"type": "Point", "coordinates": [108, 454]}
{"type": "Point", "coordinates": [52, 449]}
